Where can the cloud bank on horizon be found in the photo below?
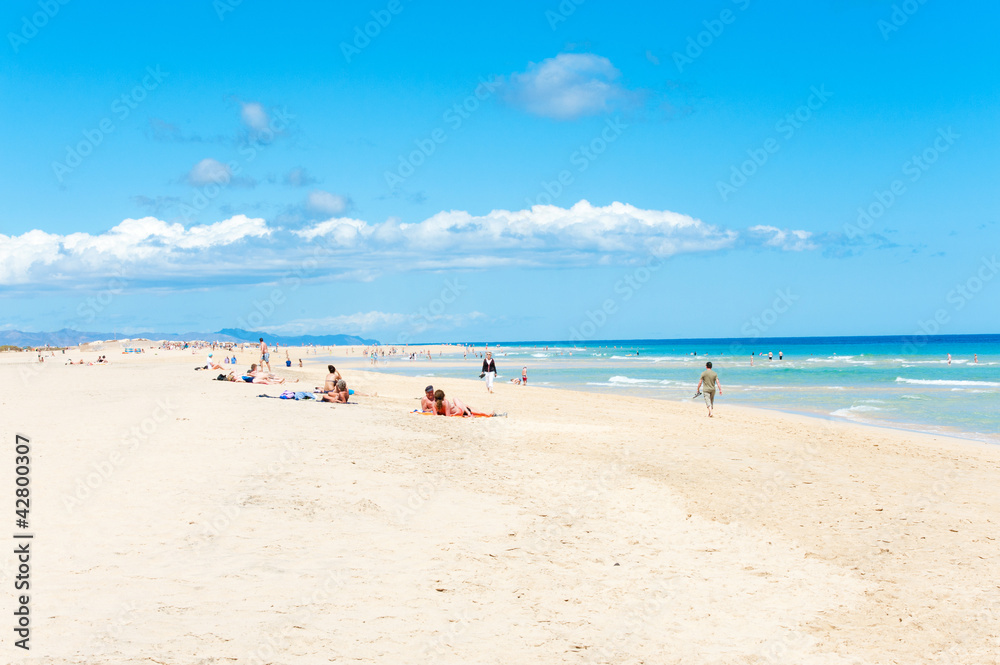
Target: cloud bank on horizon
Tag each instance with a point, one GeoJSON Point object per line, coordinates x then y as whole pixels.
{"type": "Point", "coordinates": [241, 247]}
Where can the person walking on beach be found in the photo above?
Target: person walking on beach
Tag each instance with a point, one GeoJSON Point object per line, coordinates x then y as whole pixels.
{"type": "Point", "coordinates": [706, 386]}
{"type": "Point", "coordinates": [490, 370]}
{"type": "Point", "coordinates": [524, 376]}
{"type": "Point", "coordinates": [265, 356]}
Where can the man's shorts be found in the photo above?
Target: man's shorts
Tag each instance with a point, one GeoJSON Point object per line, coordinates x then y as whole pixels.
{"type": "Point", "coordinates": [709, 396]}
{"type": "Point", "coordinates": [265, 358]}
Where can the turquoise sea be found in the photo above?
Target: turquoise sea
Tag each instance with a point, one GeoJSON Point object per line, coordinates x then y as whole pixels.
{"type": "Point", "coordinates": [904, 382]}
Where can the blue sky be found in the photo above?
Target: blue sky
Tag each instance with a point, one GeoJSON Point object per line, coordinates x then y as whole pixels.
{"type": "Point", "coordinates": [500, 173]}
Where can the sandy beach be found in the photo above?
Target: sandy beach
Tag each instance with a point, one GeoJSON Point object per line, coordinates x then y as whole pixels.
{"type": "Point", "coordinates": [178, 519]}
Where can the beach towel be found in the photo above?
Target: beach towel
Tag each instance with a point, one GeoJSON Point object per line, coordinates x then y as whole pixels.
{"type": "Point", "coordinates": [288, 394]}
{"type": "Point", "coordinates": [300, 396]}
{"type": "Point", "coordinates": [458, 415]}
{"type": "Point", "coordinates": [292, 394]}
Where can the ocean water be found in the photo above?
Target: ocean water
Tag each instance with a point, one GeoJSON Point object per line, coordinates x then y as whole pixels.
{"type": "Point", "coordinates": [893, 381]}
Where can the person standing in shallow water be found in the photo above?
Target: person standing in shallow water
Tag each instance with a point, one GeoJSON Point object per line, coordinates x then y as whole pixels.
{"type": "Point", "coordinates": [706, 386]}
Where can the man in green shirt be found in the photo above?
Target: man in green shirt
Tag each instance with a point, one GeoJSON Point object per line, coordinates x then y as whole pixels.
{"type": "Point", "coordinates": [710, 380]}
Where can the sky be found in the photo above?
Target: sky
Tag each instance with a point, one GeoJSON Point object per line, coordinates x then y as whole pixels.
{"type": "Point", "coordinates": [414, 171]}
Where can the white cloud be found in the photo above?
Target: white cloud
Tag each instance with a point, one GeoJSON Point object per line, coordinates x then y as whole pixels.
{"type": "Point", "coordinates": [247, 249]}
{"type": "Point", "coordinates": [326, 203]}
{"type": "Point", "coordinates": [563, 235]}
{"type": "Point", "coordinates": [568, 86]}
{"type": "Point", "coordinates": [254, 116]}
{"type": "Point", "coordinates": [18, 254]}
{"type": "Point", "coordinates": [785, 239]}
{"type": "Point", "coordinates": [342, 230]}
{"type": "Point", "coordinates": [366, 322]}
{"type": "Point", "coordinates": [209, 171]}
{"type": "Point", "coordinates": [149, 244]}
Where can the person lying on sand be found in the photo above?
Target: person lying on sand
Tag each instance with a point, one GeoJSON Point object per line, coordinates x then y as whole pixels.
{"type": "Point", "coordinates": [445, 407]}
{"type": "Point", "coordinates": [339, 394]}
{"type": "Point", "coordinates": [261, 376]}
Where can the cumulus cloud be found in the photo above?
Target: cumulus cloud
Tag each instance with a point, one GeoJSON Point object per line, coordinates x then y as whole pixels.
{"type": "Point", "coordinates": [254, 116]}
{"type": "Point", "coordinates": [19, 254]}
{"type": "Point", "coordinates": [568, 86]}
{"type": "Point", "coordinates": [544, 235]}
{"type": "Point", "coordinates": [365, 322]}
{"type": "Point", "coordinates": [326, 203]}
{"type": "Point", "coordinates": [148, 244]}
{"type": "Point", "coordinates": [560, 234]}
{"type": "Point", "coordinates": [209, 171]}
{"type": "Point", "coordinates": [785, 239]}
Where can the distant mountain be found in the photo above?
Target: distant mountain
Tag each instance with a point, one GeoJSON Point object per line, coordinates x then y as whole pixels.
{"type": "Point", "coordinates": [69, 337]}
{"type": "Point", "coordinates": [241, 335]}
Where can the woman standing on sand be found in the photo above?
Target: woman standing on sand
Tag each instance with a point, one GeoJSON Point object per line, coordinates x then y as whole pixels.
{"type": "Point", "coordinates": [490, 370]}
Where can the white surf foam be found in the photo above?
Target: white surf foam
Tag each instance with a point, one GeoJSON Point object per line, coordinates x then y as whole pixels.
{"type": "Point", "coordinates": [947, 382]}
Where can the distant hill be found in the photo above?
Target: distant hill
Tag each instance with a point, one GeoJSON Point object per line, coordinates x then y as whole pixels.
{"type": "Point", "coordinates": [69, 337]}
{"type": "Point", "coordinates": [241, 335]}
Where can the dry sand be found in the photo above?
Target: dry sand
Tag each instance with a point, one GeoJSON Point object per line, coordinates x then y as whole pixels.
{"type": "Point", "coordinates": [183, 520]}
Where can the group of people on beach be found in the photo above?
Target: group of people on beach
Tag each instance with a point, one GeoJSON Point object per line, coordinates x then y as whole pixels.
{"type": "Point", "coordinates": [490, 373]}
{"type": "Point", "coordinates": [335, 387]}
{"type": "Point", "coordinates": [101, 360]}
{"type": "Point", "coordinates": [770, 356]}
